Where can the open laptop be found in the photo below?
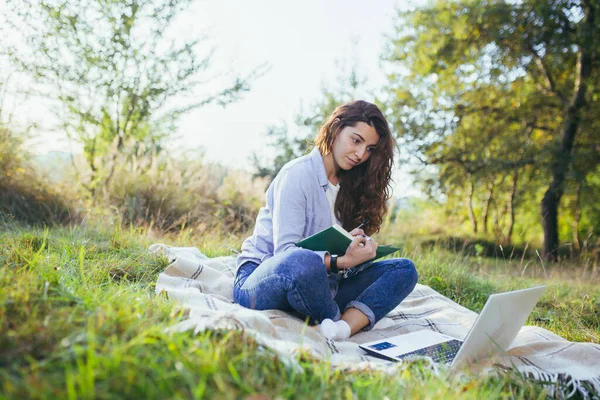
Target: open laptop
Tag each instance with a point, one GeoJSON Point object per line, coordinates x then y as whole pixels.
{"type": "Point", "coordinates": [495, 328]}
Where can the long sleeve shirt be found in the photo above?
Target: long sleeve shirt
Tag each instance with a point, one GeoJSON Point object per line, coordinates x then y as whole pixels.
{"type": "Point", "coordinates": [296, 207]}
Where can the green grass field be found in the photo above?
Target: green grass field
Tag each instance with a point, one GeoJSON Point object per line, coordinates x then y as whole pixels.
{"type": "Point", "coordinates": [79, 319]}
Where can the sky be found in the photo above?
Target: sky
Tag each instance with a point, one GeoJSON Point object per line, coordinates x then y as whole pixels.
{"type": "Point", "coordinates": [305, 45]}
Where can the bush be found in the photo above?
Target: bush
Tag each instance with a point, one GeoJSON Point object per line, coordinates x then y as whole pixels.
{"type": "Point", "coordinates": [25, 196]}
{"type": "Point", "coordinates": [183, 192]}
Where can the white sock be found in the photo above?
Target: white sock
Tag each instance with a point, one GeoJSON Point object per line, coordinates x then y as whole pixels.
{"type": "Point", "coordinates": [338, 330]}
{"type": "Point", "coordinates": [328, 328]}
{"type": "Point", "coordinates": [343, 330]}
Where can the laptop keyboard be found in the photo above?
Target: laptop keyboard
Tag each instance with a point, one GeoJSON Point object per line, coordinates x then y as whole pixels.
{"type": "Point", "coordinates": [440, 353]}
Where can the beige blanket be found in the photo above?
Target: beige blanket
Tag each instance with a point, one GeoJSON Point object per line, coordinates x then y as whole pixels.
{"type": "Point", "coordinates": [204, 286]}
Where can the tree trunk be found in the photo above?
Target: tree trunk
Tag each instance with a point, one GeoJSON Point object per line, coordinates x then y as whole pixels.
{"type": "Point", "coordinates": [486, 205]}
{"type": "Point", "coordinates": [562, 158]}
{"type": "Point", "coordinates": [511, 206]}
{"type": "Point", "coordinates": [550, 222]}
{"type": "Point", "coordinates": [498, 217]}
{"type": "Point", "coordinates": [470, 191]}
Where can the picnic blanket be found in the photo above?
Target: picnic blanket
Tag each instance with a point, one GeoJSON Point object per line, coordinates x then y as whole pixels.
{"type": "Point", "coordinates": [204, 287]}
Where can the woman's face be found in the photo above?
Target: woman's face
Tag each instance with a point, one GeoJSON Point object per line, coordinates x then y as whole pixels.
{"type": "Point", "coordinates": [353, 145]}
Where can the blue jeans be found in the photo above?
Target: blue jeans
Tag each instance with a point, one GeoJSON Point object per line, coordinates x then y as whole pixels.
{"type": "Point", "coordinates": [297, 281]}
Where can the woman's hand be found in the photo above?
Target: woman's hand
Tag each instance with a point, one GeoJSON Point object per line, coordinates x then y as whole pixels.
{"type": "Point", "coordinates": [361, 249]}
{"type": "Point", "coordinates": [357, 232]}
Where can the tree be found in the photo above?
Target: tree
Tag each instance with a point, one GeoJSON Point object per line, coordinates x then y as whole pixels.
{"type": "Point", "coordinates": [120, 77]}
{"type": "Point", "coordinates": [573, 106]}
{"type": "Point", "coordinates": [497, 86]}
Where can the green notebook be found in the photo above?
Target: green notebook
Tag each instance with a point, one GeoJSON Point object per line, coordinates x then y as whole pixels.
{"type": "Point", "coordinates": [336, 240]}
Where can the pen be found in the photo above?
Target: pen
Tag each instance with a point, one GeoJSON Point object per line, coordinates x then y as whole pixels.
{"type": "Point", "coordinates": [363, 223]}
{"type": "Point", "coordinates": [360, 226]}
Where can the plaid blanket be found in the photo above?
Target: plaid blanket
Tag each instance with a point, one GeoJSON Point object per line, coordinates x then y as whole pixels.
{"type": "Point", "coordinates": [205, 288]}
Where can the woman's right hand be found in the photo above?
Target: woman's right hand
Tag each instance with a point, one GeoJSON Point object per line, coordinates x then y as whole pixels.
{"type": "Point", "coordinates": [361, 249]}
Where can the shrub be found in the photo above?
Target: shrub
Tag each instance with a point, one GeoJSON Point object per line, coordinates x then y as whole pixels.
{"type": "Point", "coordinates": [25, 196]}
{"type": "Point", "coordinates": [183, 192]}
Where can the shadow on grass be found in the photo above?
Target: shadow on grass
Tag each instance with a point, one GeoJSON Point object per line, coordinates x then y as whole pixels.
{"type": "Point", "coordinates": [490, 249]}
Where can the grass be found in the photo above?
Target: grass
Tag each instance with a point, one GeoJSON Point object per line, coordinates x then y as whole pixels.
{"type": "Point", "coordinates": [79, 319]}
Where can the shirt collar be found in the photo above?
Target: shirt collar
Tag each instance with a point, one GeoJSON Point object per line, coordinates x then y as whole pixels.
{"type": "Point", "coordinates": [317, 160]}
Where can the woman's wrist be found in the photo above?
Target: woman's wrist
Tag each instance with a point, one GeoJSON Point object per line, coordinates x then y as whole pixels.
{"type": "Point", "coordinates": [342, 262]}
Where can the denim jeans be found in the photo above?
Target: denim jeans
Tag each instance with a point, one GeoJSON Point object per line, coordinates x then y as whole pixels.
{"type": "Point", "coordinates": [297, 281]}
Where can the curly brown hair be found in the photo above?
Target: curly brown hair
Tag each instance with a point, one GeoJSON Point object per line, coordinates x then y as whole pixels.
{"type": "Point", "coordinates": [364, 189]}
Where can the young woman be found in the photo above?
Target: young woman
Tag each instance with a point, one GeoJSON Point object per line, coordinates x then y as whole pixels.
{"type": "Point", "coordinates": [344, 180]}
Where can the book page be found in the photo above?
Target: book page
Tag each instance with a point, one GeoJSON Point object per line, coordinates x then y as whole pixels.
{"type": "Point", "coordinates": [342, 231]}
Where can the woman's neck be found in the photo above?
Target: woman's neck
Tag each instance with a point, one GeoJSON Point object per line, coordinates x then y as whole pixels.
{"type": "Point", "coordinates": [331, 168]}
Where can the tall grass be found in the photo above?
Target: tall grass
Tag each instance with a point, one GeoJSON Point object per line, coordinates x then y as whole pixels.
{"type": "Point", "coordinates": [166, 194]}
{"type": "Point", "coordinates": [170, 192]}
{"type": "Point", "coordinates": [79, 319]}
